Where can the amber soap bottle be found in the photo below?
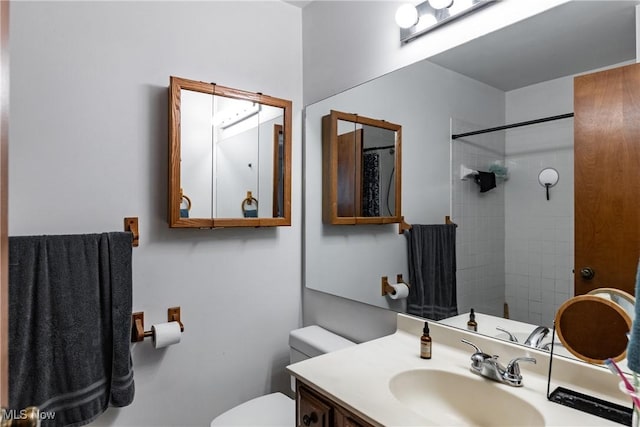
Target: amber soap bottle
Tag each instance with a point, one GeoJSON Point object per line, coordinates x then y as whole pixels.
{"type": "Point", "coordinates": [472, 325]}
{"type": "Point", "coordinates": [425, 343]}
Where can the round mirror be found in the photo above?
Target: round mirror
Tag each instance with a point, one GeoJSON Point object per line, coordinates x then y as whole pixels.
{"type": "Point", "coordinates": [593, 328]}
{"type": "Point", "coordinates": [548, 177]}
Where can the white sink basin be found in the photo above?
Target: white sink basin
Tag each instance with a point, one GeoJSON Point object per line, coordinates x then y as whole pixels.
{"type": "Point", "coordinates": [461, 400]}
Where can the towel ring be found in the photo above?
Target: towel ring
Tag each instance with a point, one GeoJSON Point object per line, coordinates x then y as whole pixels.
{"type": "Point", "coordinates": [247, 202]}
{"type": "Point", "coordinates": [185, 197]}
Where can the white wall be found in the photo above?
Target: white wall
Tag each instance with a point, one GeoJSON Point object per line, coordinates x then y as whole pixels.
{"type": "Point", "coordinates": [89, 146]}
{"type": "Point", "coordinates": [349, 42]}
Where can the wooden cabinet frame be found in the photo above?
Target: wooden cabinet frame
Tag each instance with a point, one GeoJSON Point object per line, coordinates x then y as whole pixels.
{"type": "Point", "coordinates": [317, 410]}
{"type": "Point", "coordinates": [330, 167]}
{"type": "Point", "coordinates": [175, 193]}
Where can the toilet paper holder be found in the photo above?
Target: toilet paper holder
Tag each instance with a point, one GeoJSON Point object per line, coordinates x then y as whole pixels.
{"type": "Point", "coordinates": [387, 289]}
{"type": "Point", "coordinates": [137, 324]}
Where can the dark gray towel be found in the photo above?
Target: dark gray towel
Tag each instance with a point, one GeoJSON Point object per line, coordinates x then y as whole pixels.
{"type": "Point", "coordinates": [70, 324]}
{"type": "Point", "coordinates": [432, 271]}
{"type": "Point", "coordinates": [486, 181]}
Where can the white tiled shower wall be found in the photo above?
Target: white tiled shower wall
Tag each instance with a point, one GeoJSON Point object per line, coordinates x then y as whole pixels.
{"type": "Point", "coordinates": [539, 233]}
{"type": "Point", "coordinates": [512, 244]}
{"type": "Point", "coordinates": [537, 247]}
{"type": "Point", "coordinates": [480, 237]}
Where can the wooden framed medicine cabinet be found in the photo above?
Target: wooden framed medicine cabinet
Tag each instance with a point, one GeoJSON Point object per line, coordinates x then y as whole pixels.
{"type": "Point", "coordinates": [361, 170]}
{"type": "Point", "coordinates": [229, 157]}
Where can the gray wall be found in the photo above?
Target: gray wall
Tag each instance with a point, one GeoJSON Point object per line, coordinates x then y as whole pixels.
{"type": "Point", "coordinates": [89, 146]}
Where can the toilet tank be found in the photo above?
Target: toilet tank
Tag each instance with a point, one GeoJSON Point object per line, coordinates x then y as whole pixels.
{"type": "Point", "coordinates": [312, 341]}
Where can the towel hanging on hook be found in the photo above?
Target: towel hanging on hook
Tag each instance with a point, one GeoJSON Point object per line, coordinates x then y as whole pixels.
{"type": "Point", "coordinates": [486, 181]}
{"type": "Point", "coordinates": [249, 201]}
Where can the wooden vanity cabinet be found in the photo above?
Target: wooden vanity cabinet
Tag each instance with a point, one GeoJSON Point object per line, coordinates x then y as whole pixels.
{"type": "Point", "coordinates": [315, 410]}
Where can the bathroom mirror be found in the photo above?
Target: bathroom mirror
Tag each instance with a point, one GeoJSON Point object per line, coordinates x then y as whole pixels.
{"type": "Point", "coordinates": [471, 87]}
{"type": "Point", "coordinates": [361, 165]}
{"type": "Point", "coordinates": [229, 157]}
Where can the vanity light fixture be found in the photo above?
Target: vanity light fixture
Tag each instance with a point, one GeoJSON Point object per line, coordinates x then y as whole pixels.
{"type": "Point", "coordinates": [230, 117]}
{"type": "Point", "coordinates": [432, 14]}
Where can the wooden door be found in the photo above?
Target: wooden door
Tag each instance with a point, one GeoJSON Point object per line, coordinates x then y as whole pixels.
{"type": "Point", "coordinates": [350, 174]}
{"type": "Point", "coordinates": [607, 178]}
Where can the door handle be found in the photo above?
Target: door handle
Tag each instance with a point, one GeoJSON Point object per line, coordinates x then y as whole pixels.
{"type": "Point", "coordinates": [587, 273]}
{"type": "Point", "coordinates": [307, 420]}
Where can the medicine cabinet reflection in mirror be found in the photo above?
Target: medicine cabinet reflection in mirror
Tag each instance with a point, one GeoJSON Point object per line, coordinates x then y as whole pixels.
{"type": "Point", "coordinates": [361, 170]}
{"type": "Point", "coordinates": [229, 157]}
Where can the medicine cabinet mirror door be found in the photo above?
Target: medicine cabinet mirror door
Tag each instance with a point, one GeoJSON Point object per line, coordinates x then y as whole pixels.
{"type": "Point", "coordinates": [361, 170]}
{"type": "Point", "coordinates": [229, 157]}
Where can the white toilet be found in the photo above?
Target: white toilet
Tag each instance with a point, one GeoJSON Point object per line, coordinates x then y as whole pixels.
{"type": "Point", "coordinates": [277, 409]}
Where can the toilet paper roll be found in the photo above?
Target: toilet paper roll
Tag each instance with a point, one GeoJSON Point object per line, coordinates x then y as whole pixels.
{"type": "Point", "coordinates": [166, 334]}
{"type": "Point", "coordinates": [401, 291]}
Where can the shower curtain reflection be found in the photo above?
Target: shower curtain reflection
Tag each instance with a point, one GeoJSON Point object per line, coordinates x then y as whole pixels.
{"type": "Point", "coordinates": [371, 184]}
{"type": "Point", "coordinates": [378, 173]}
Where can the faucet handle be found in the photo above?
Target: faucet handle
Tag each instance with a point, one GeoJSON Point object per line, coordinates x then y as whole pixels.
{"type": "Point", "coordinates": [477, 358]}
{"type": "Point", "coordinates": [512, 338]}
{"type": "Point", "coordinates": [478, 350]}
{"type": "Point", "coordinates": [513, 368]}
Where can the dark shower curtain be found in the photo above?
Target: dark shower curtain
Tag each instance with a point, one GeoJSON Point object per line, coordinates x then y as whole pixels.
{"type": "Point", "coordinates": [371, 184]}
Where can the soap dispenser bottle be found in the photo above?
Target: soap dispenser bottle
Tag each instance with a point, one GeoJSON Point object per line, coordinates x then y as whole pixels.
{"type": "Point", "coordinates": [425, 342]}
{"type": "Point", "coordinates": [472, 325]}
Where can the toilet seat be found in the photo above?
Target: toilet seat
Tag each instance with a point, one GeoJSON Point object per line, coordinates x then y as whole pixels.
{"type": "Point", "coordinates": [275, 410]}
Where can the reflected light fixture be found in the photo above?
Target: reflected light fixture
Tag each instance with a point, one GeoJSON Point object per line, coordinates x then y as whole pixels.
{"type": "Point", "coordinates": [407, 16]}
{"type": "Point", "coordinates": [440, 4]}
{"type": "Point", "coordinates": [242, 111]}
{"type": "Point", "coordinates": [415, 21]}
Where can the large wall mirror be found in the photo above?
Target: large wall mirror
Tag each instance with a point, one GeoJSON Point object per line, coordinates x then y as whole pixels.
{"type": "Point", "coordinates": [229, 157]}
{"type": "Point", "coordinates": [512, 244]}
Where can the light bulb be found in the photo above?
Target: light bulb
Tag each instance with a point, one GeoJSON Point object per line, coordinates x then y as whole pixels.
{"type": "Point", "coordinates": [428, 20]}
{"type": "Point", "coordinates": [407, 16]}
{"type": "Point", "coordinates": [440, 4]}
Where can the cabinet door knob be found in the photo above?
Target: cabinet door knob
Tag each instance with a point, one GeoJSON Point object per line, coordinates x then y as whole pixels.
{"type": "Point", "coordinates": [587, 273]}
{"type": "Point", "coordinates": [310, 419]}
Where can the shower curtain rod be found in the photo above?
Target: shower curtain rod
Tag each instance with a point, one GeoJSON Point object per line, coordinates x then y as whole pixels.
{"type": "Point", "coordinates": [379, 148]}
{"type": "Point", "coordinates": [513, 125]}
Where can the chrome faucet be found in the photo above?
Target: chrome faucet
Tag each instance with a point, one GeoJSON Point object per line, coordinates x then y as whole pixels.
{"type": "Point", "coordinates": [535, 338]}
{"type": "Point", "coordinates": [488, 366]}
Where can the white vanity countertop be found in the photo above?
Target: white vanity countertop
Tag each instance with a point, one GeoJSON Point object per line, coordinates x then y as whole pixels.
{"type": "Point", "coordinates": [358, 377]}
